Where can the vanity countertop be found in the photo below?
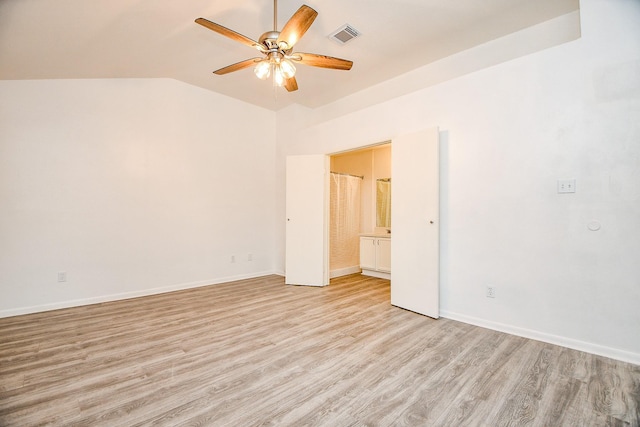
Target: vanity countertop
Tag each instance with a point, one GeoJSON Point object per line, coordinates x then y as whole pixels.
{"type": "Point", "coordinates": [378, 235]}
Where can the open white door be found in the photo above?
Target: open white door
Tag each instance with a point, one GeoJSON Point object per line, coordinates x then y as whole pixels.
{"type": "Point", "coordinates": [415, 243]}
{"type": "Point", "coordinates": [307, 207]}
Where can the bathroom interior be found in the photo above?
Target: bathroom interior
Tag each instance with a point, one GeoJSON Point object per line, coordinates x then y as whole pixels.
{"type": "Point", "coordinates": [360, 212]}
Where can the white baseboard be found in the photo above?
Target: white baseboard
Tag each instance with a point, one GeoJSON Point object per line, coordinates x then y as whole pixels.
{"type": "Point", "coordinates": [378, 274]}
{"type": "Point", "coordinates": [600, 350]}
{"type": "Point", "coordinates": [127, 295]}
{"type": "Point", "coordinates": [344, 271]}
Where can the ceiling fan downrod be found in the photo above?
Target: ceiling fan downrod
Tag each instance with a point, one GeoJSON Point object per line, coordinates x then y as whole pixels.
{"type": "Point", "coordinates": [275, 15]}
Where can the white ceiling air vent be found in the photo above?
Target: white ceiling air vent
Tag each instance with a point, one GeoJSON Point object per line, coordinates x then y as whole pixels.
{"type": "Point", "coordinates": [344, 34]}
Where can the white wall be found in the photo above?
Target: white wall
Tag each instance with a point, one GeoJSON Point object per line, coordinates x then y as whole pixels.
{"type": "Point", "coordinates": [509, 132]}
{"type": "Point", "coordinates": [131, 187]}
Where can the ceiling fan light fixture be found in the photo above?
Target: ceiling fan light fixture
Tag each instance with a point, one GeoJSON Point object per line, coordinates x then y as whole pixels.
{"type": "Point", "coordinates": [263, 69]}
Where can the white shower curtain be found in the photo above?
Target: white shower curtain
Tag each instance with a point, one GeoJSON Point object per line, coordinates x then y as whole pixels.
{"type": "Point", "coordinates": [344, 236]}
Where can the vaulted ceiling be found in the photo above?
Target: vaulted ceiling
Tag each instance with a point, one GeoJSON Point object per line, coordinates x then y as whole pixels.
{"type": "Point", "coordinates": [81, 39]}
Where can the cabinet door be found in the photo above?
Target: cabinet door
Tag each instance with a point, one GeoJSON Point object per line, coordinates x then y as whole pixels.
{"type": "Point", "coordinates": [368, 253]}
{"type": "Point", "coordinates": [383, 255]}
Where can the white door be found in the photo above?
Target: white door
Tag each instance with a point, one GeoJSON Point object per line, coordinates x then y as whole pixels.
{"type": "Point", "coordinates": [415, 245]}
{"type": "Point", "coordinates": [307, 211]}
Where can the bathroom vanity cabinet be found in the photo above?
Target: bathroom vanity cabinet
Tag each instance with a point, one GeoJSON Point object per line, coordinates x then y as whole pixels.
{"type": "Point", "coordinates": [375, 255]}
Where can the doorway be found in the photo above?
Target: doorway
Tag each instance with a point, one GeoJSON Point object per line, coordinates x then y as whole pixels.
{"type": "Point", "coordinates": [363, 168]}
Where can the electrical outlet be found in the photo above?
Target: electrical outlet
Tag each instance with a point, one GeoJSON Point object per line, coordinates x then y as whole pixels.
{"type": "Point", "coordinates": [250, 257]}
{"type": "Point", "coordinates": [566, 186]}
{"type": "Point", "coordinates": [62, 276]}
{"type": "Point", "coordinates": [233, 258]}
{"type": "Point", "coordinates": [491, 292]}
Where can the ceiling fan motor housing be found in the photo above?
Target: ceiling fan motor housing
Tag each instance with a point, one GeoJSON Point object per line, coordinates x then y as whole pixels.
{"type": "Point", "coordinates": [270, 39]}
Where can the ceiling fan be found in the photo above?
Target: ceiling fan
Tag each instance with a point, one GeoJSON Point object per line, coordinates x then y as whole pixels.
{"type": "Point", "coordinates": [277, 48]}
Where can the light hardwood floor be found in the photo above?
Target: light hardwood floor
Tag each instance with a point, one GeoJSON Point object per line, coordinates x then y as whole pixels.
{"type": "Point", "coordinates": [259, 352]}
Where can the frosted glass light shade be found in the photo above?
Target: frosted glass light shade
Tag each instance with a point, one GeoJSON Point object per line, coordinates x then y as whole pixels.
{"type": "Point", "coordinates": [262, 69]}
{"type": "Point", "coordinates": [288, 69]}
{"type": "Point", "coordinates": [278, 75]}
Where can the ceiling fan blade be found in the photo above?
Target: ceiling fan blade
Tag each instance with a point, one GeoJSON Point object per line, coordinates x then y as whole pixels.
{"type": "Point", "coordinates": [321, 61]}
{"type": "Point", "coordinates": [237, 66]}
{"type": "Point", "coordinates": [228, 33]}
{"type": "Point", "coordinates": [295, 28]}
{"type": "Point", "coordinates": [291, 84]}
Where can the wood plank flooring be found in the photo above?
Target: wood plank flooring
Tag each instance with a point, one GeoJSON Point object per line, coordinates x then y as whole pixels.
{"type": "Point", "coordinates": [259, 352]}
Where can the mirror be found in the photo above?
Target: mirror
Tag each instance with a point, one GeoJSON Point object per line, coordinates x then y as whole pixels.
{"type": "Point", "coordinates": [383, 202]}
